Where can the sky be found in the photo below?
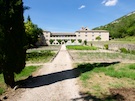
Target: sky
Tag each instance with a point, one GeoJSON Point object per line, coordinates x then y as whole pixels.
{"type": "Point", "coordinates": [71, 15]}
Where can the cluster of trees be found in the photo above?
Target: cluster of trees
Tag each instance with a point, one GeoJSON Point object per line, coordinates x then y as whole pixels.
{"type": "Point", "coordinates": [33, 32]}
{"type": "Point", "coordinates": [15, 38]}
{"type": "Point", "coordinates": [122, 27]}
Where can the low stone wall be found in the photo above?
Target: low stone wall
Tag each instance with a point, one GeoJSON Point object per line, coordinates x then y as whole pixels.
{"type": "Point", "coordinates": [114, 46]}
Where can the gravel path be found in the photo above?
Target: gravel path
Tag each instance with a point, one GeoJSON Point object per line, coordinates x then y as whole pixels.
{"type": "Point", "coordinates": [56, 81]}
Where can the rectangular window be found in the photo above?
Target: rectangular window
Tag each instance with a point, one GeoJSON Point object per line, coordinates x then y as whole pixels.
{"type": "Point", "coordinates": [86, 35]}
{"type": "Point", "coordinates": [46, 35]}
{"type": "Point", "coordinates": [78, 35]}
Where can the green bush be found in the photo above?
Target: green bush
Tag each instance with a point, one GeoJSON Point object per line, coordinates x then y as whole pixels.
{"type": "Point", "coordinates": [39, 56]}
{"type": "Point", "coordinates": [106, 46]}
{"type": "Point", "coordinates": [59, 41]}
{"type": "Point", "coordinates": [51, 41]}
{"type": "Point", "coordinates": [132, 52]}
{"type": "Point", "coordinates": [79, 40]}
{"type": "Point", "coordinates": [124, 50]}
{"type": "Point", "coordinates": [72, 40]}
{"type": "Point", "coordinates": [85, 42]}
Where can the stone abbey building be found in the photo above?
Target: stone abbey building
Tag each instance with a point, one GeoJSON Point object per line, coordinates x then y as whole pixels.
{"type": "Point", "coordinates": [76, 38]}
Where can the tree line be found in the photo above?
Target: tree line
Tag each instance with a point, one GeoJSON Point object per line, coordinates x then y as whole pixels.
{"type": "Point", "coordinates": [16, 36]}
{"type": "Point", "coordinates": [122, 27]}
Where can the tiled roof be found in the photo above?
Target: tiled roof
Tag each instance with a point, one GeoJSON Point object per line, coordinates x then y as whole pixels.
{"type": "Point", "coordinates": [63, 33]}
{"type": "Point", "coordinates": [92, 31]}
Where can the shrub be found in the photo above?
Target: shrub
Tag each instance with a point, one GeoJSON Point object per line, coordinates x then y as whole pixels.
{"type": "Point", "coordinates": [91, 44]}
{"type": "Point", "coordinates": [132, 52]}
{"type": "Point", "coordinates": [59, 41]}
{"type": "Point", "coordinates": [106, 46]}
{"type": "Point", "coordinates": [79, 40]}
{"type": "Point", "coordinates": [51, 41]}
{"type": "Point", "coordinates": [85, 42]}
{"type": "Point", "coordinates": [72, 40]}
{"type": "Point", "coordinates": [98, 38]}
{"type": "Point", "coordinates": [65, 40]}
{"type": "Point", "coordinates": [124, 50]}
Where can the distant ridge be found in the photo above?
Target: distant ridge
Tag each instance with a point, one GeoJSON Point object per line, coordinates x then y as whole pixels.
{"type": "Point", "coordinates": [117, 20]}
{"type": "Point", "coordinates": [121, 27]}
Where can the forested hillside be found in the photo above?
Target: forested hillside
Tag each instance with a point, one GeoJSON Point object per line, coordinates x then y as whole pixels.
{"type": "Point", "coordinates": [122, 27]}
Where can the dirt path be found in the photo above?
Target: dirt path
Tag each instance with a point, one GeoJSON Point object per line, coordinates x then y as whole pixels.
{"type": "Point", "coordinates": [56, 81]}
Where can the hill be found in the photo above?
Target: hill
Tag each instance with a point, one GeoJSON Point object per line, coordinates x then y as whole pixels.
{"type": "Point", "coordinates": [122, 27]}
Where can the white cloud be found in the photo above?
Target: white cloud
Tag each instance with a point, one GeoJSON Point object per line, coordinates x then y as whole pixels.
{"type": "Point", "coordinates": [109, 2]}
{"type": "Point", "coordinates": [81, 7]}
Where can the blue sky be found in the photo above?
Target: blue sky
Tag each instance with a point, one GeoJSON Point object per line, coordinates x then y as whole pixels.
{"type": "Point", "coordinates": [71, 15]}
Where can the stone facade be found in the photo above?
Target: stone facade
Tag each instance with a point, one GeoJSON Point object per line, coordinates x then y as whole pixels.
{"type": "Point", "coordinates": [73, 38]}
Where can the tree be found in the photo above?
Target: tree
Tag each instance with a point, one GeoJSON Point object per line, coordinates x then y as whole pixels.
{"type": "Point", "coordinates": [72, 40]}
{"type": "Point", "coordinates": [51, 41]}
{"type": "Point", "coordinates": [32, 32]}
{"type": "Point", "coordinates": [98, 38]}
{"type": "Point", "coordinates": [59, 41]}
{"type": "Point", "coordinates": [12, 33]}
{"type": "Point", "coordinates": [79, 40]}
{"type": "Point", "coordinates": [65, 40]}
{"type": "Point", "coordinates": [85, 42]}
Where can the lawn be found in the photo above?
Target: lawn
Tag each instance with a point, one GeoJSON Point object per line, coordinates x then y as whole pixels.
{"type": "Point", "coordinates": [79, 47]}
{"type": "Point", "coordinates": [98, 78]}
{"type": "Point", "coordinates": [27, 71]}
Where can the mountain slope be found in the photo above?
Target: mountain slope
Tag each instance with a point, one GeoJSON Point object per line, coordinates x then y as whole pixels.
{"type": "Point", "coordinates": [122, 27]}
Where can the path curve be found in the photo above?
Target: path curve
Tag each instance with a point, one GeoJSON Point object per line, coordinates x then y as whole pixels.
{"type": "Point", "coordinates": [56, 81]}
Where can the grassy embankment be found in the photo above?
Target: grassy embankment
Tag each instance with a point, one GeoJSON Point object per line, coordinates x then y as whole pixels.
{"type": "Point", "coordinates": [33, 56]}
{"type": "Point", "coordinates": [98, 78]}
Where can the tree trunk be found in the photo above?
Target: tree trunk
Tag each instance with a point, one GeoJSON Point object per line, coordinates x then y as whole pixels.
{"type": "Point", "coordinates": [9, 78]}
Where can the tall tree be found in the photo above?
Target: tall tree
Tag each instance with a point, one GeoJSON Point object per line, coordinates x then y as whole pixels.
{"type": "Point", "coordinates": [13, 51]}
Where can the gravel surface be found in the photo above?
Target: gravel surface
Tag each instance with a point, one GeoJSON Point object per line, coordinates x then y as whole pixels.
{"type": "Point", "coordinates": [56, 81]}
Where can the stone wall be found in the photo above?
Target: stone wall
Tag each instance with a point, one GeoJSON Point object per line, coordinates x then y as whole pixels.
{"type": "Point", "coordinates": [114, 46]}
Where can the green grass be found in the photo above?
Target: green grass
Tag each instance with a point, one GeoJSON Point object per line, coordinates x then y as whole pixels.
{"type": "Point", "coordinates": [39, 56]}
{"type": "Point", "coordinates": [27, 71]}
{"type": "Point", "coordinates": [2, 90]}
{"type": "Point", "coordinates": [78, 47]}
{"type": "Point", "coordinates": [128, 39]}
{"type": "Point", "coordinates": [124, 70]}
{"type": "Point", "coordinates": [98, 78]}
